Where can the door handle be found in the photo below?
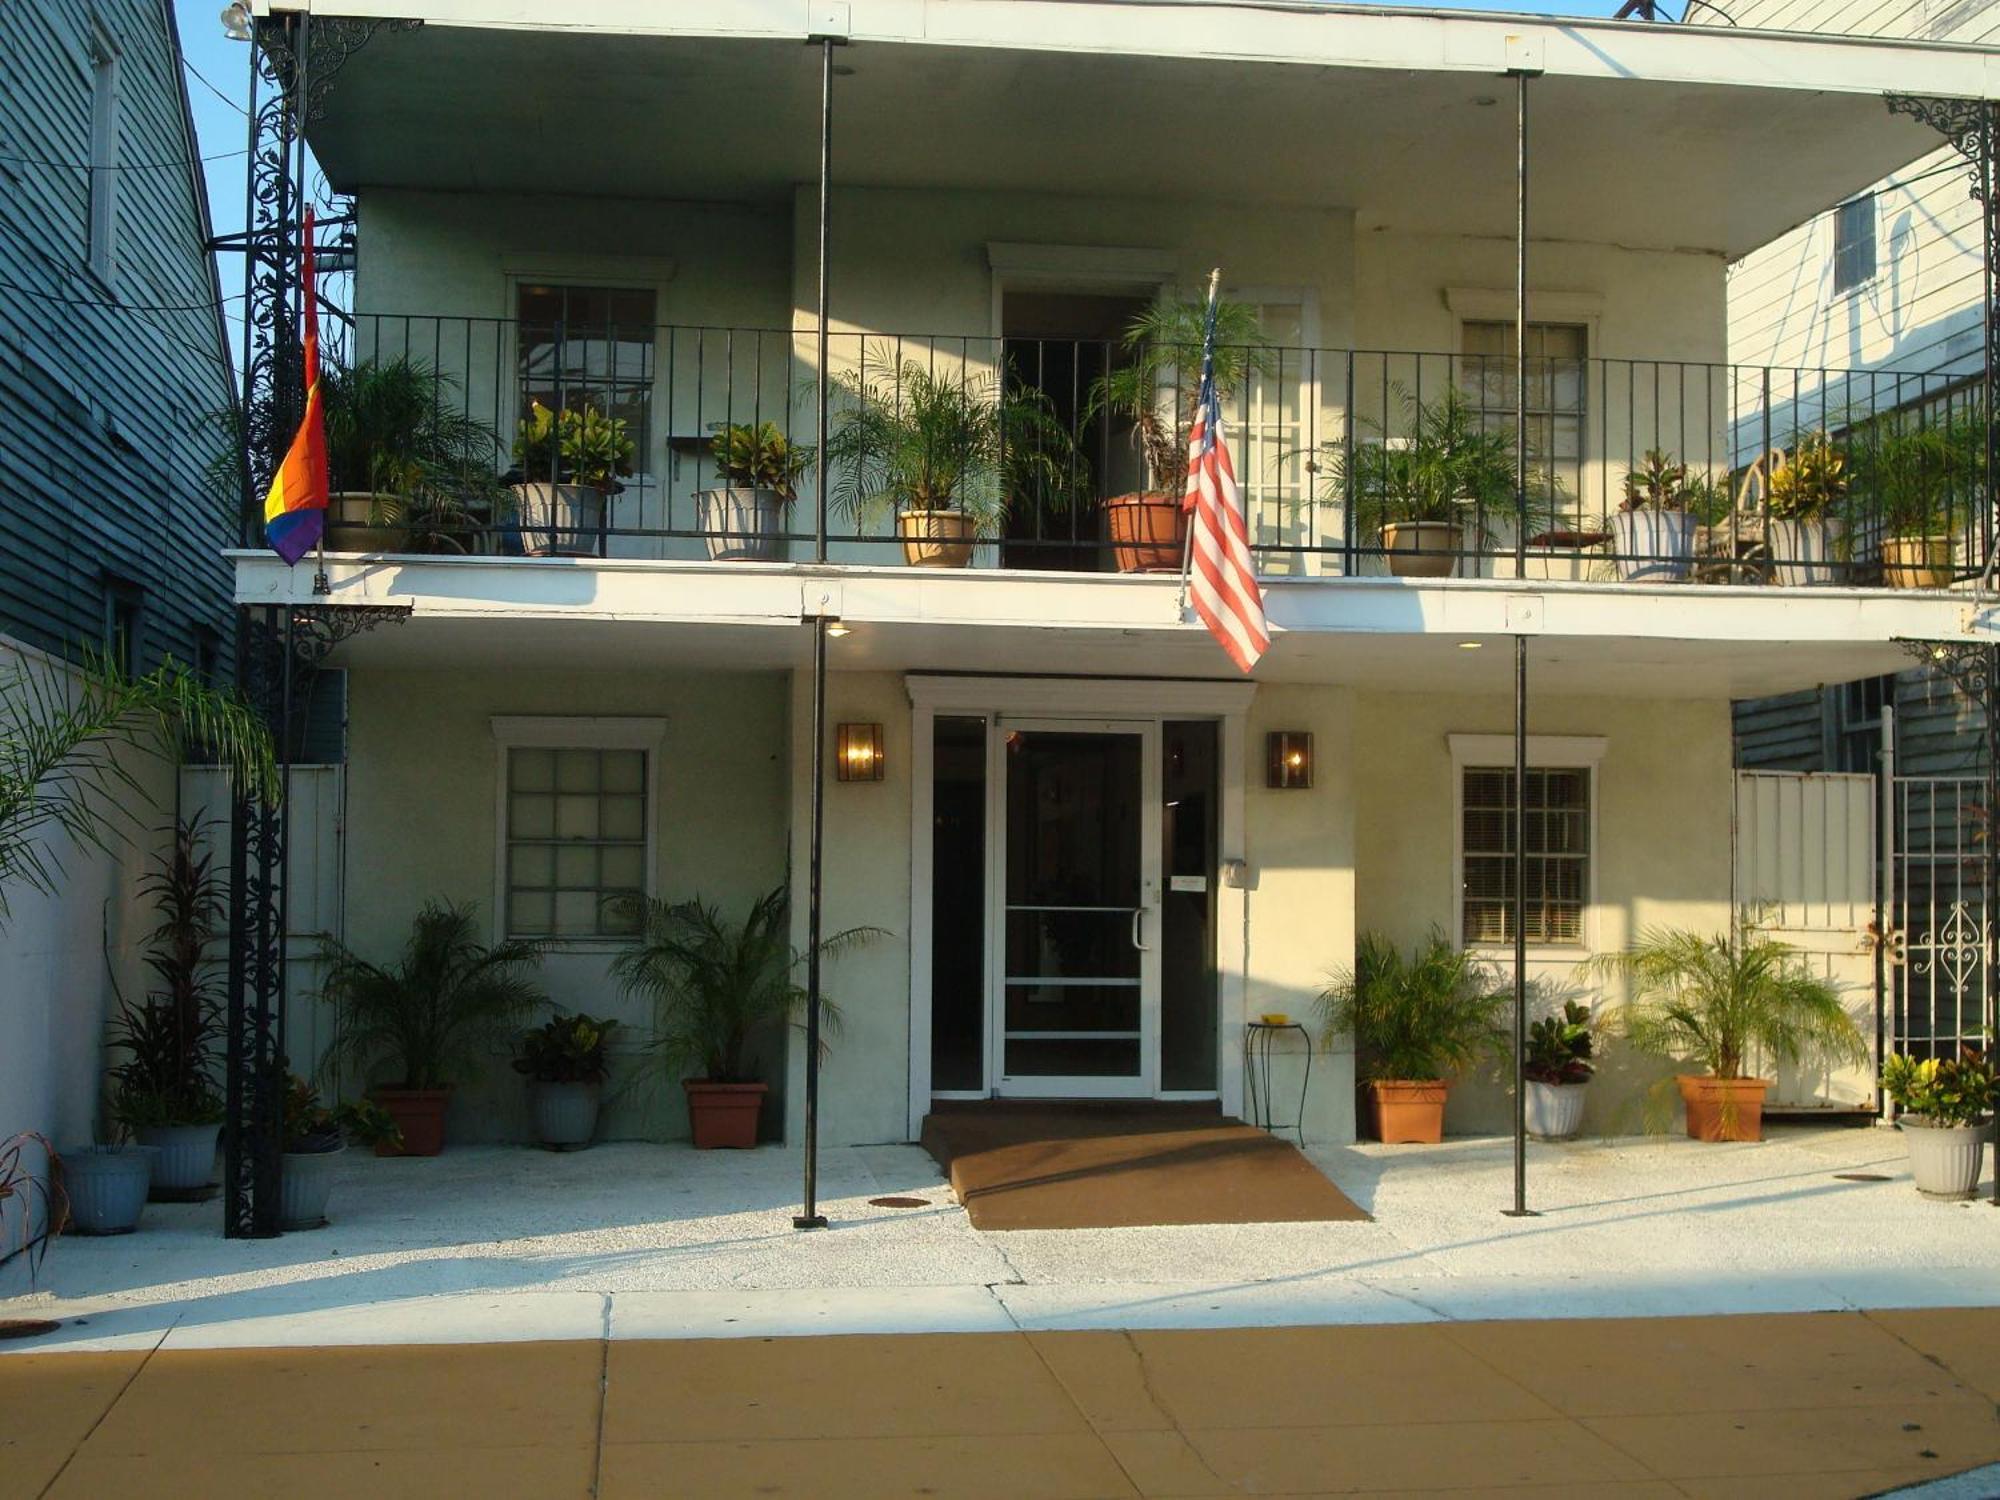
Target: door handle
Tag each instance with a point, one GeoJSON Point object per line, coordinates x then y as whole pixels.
{"type": "Point", "coordinates": [1138, 927]}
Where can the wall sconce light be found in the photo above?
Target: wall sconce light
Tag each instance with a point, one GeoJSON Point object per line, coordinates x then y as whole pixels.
{"type": "Point", "coordinates": [858, 753]}
{"type": "Point", "coordinates": [1291, 759]}
{"type": "Point", "coordinates": [236, 24]}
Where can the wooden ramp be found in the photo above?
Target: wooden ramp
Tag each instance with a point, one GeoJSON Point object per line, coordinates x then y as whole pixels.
{"type": "Point", "coordinates": [1033, 1165]}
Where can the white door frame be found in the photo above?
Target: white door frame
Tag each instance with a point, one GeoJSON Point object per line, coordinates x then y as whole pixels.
{"type": "Point", "coordinates": [1228, 703]}
{"type": "Point", "coordinates": [1145, 1083]}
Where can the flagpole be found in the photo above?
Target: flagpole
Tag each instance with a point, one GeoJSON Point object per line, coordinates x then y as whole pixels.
{"type": "Point", "coordinates": [1187, 532]}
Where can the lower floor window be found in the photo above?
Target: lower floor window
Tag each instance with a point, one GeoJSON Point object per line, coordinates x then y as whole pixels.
{"type": "Point", "coordinates": [575, 841]}
{"type": "Point", "coordinates": [1556, 818]}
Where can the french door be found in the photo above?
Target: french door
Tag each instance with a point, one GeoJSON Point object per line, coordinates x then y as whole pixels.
{"type": "Point", "coordinates": [1073, 885]}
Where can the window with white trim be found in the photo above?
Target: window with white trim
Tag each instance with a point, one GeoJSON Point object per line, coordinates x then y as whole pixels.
{"type": "Point", "coordinates": [575, 839]}
{"type": "Point", "coordinates": [1854, 243]}
{"type": "Point", "coordinates": [1557, 369]}
{"type": "Point", "coordinates": [1557, 819]}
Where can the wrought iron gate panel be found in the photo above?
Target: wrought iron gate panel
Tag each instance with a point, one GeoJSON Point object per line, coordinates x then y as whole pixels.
{"type": "Point", "coordinates": [1937, 966]}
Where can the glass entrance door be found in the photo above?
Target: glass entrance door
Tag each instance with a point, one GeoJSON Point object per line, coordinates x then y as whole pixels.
{"type": "Point", "coordinates": [1075, 885]}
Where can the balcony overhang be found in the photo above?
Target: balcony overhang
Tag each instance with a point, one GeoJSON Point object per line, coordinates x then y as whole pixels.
{"type": "Point", "coordinates": [1666, 641]}
{"type": "Point", "coordinates": [1655, 137]}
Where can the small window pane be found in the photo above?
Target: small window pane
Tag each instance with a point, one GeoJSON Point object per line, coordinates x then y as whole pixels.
{"type": "Point", "coordinates": [576, 771]}
{"type": "Point", "coordinates": [533, 865]}
{"type": "Point", "coordinates": [576, 817]}
{"type": "Point", "coordinates": [624, 868]}
{"type": "Point", "coordinates": [624, 770]}
{"type": "Point", "coordinates": [532, 817]}
{"type": "Point", "coordinates": [530, 913]}
{"type": "Point", "coordinates": [532, 770]}
{"type": "Point", "coordinates": [576, 869]}
{"type": "Point", "coordinates": [624, 817]}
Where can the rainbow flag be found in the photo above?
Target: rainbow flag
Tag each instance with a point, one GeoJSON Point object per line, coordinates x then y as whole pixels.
{"type": "Point", "coordinates": [295, 509]}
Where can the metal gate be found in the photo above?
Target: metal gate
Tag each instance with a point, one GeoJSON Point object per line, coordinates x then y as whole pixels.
{"type": "Point", "coordinates": [1935, 949]}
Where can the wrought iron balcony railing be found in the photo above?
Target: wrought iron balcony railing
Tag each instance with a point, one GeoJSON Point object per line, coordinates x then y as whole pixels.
{"type": "Point", "coordinates": [458, 435]}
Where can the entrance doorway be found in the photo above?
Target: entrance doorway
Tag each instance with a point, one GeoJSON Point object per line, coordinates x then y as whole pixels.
{"type": "Point", "coordinates": [1074, 994]}
{"type": "Point", "coordinates": [1068, 901]}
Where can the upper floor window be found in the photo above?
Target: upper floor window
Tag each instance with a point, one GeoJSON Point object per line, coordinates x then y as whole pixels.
{"type": "Point", "coordinates": [1556, 383]}
{"type": "Point", "coordinates": [101, 232]}
{"type": "Point", "coordinates": [590, 346]}
{"type": "Point", "coordinates": [1853, 243]}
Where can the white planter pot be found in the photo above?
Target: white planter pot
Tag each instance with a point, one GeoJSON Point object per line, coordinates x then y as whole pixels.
{"type": "Point", "coordinates": [1945, 1159]}
{"type": "Point", "coordinates": [566, 1114]}
{"type": "Point", "coordinates": [742, 525]}
{"type": "Point", "coordinates": [1805, 554]}
{"type": "Point", "coordinates": [185, 1161]}
{"type": "Point", "coordinates": [306, 1185]}
{"type": "Point", "coordinates": [560, 519]}
{"type": "Point", "coordinates": [1555, 1110]}
{"type": "Point", "coordinates": [107, 1187]}
{"type": "Point", "coordinates": [1653, 544]}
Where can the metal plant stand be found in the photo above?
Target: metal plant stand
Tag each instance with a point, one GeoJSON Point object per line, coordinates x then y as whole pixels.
{"type": "Point", "coordinates": [1258, 1040]}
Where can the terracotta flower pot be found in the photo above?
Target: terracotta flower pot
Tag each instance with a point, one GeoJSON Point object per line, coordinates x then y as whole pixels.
{"type": "Point", "coordinates": [1407, 1111]}
{"type": "Point", "coordinates": [1723, 1109]}
{"type": "Point", "coordinates": [1423, 549]}
{"type": "Point", "coordinates": [724, 1115]}
{"type": "Point", "coordinates": [419, 1114]}
{"type": "Point", "coordinates": [1916, 562]}
{"type": "Point", "coordinates": [936, 538]}
{"type": "Point", "coordinates": [1148, 532]}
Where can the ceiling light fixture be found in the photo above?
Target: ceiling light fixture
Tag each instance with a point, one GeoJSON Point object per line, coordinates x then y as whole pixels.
{"type": "Point", "coordinates": [236, 21]}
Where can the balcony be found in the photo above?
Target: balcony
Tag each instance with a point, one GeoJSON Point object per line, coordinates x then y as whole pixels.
{"type": "Point", "coordinates": [496, 438]}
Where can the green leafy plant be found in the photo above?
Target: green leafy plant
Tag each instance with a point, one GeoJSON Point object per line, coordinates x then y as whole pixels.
{"type": "Point", "coordinates": [1942, 1092]}
{"type": "Point", "coordinates": [916, 438]}
{"type": "Point", "coordinates": [314, 1127]}
{"type": "Point", "coordinates": [1811, 482]}
{"type": "Point", "coordinates": [1561, 1047]}
{"type": "Point", "coordinates": [1659, 483]}
{"type": "Point", "coordinates": [1430, 1015]}
{"type": "Point", "coordinates": [760, 457]}
{"type": "Point", "coordinates": [566, 1049]}
{"type": "Point", "coordinates": [1729, 1001]}
{"type": "Point", "coordinates": [62, 772]}
{"type": "Point", "coordinates": [444, 1003]}
{"type": "Point", "coordinates": [1448, 466]}
{"type": "Point", "coordinates": [1157, 382]}
{"type": "Point", "coordinates": [169, 1039]}
{"type": "Point", "coordinates": [578, 445]}
{"type": "Point", "coordinates": [393, 428]}
{"type": "Point", "coordinates": [716, 986]}
{"type": "Point", "coordinates": [1913, 473]}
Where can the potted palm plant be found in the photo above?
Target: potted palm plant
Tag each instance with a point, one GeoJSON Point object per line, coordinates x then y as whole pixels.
{"type": "Point", "coordinates": [1729, 1003]}
{"type": "Point", "coordinates": [1808, 533]}
{"type": "Point", "coordinates": [1653, 532]}
{"type": "Point", "coordinates": [1421, 493]}
{"type": "Point", "coordinates": [1155, 388]}
{"type": "Point", "coordinates": [436, 1012]}
{"type": "Point", "coordinates": [759, 468]}
{"type": "Point", "coordinates": [566, 1060]}
{"type": "Point", "coordinates": [316, 1137]}
{"type": "Point", "coordinates": [164, 1092]}
{"type": "Point", "coordinates": [719, 989]}
{"type": "Point", "coordinates": [1911, 473]}
{"type": "Point", "coordinates": [411, 470]}
{"type": "Point", "coordinates": [566, 465]}
{"type": "Point", "coordinates": [1558, 1068]}
{"type": "Point", "coordinates": [1943, 1105]}
{"type": "Point", "coordinates": [929, 445]}
{"type": "Point", "coordinates": [1417, 1022]}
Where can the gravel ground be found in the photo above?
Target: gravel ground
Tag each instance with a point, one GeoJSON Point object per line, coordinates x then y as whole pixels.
{"type": "Point", "coordinates": [660, 1240]}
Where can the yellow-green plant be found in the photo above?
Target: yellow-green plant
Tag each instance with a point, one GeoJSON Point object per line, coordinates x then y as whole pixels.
{"type": "Point", "coordinates": [1943, 1092]}
{"type": "Point", "coordinates": [759, 457]}
{"type": "Point", "coordinates": [1810, 483]}
{"type": "Point", "coordinates": [578, 445]}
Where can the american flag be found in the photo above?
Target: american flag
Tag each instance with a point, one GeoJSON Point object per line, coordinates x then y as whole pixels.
{"type": "Point", "coordinates": [1222, 582]}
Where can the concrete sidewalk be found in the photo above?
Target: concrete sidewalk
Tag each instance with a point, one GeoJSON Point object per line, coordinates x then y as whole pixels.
{"type": "Point", "coordinates": [1828, 1404]}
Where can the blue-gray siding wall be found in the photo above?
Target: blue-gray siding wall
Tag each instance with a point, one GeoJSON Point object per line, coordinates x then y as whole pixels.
{"type": "Point", "coordinates": [1937, 732]}
{"type": "Point", "coordinates": [104, 409]}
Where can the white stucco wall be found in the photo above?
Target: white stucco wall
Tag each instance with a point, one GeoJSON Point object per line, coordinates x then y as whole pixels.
{"type": "Point", "coordinates": [422, 823]}
{"type": "Point", "coordinates": [57, 958]}
{"type": "Point", "coordinates": [865, 882]}
{"type": "Point", "coordinates": [1663, 852]}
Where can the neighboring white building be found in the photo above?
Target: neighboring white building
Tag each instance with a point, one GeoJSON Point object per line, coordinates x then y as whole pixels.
{"type": "Point", "coordinates": [616, 206]}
